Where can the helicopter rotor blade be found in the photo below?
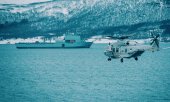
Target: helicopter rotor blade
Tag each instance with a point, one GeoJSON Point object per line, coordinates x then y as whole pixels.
{"type": "Point", "coordinates": [157, 36]}
{"type": "Point", "coordinates": [152, 35]}
{"type": "Point", "coordinates": [111, 37]}
{"type": "Point", "coordinates": [152, 41]}
{"type": "Point", "coordinates": [155, 39]}
{"type": "Point", "coordinates": [157, 42]}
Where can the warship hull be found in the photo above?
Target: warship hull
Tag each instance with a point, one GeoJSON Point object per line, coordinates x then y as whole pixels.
{"type": "Point", "coordinates": [53, 45]}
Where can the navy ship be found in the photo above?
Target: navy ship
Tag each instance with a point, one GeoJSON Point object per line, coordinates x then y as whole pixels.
{"type": "Point", "coordinates": [69, 41]}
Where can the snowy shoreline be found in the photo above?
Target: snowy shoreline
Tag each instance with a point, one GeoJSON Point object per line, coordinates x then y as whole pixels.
{"type": "Point", "coordinates": [39, 39]}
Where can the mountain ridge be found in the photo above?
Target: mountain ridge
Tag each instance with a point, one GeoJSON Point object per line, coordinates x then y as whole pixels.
{"type": "Point", "coordinates": [83, 17]}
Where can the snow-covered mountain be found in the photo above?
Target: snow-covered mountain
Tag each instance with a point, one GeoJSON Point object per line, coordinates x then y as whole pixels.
{"type": "Point", "coordinates": [86, 17]}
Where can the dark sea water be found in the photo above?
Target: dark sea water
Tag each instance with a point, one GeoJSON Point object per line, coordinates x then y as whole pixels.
{"type": "Point", "coordinates": [82, 75]}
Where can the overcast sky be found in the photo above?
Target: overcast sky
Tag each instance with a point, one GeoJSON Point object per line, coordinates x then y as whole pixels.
{"type": "Point", "coordinates": [20, 1]}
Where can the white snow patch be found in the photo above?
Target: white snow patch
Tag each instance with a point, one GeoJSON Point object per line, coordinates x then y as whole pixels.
{"type": "Point", "coordinates": [13, 41]}
{"type": "Point", "coordinates": [31, 40]}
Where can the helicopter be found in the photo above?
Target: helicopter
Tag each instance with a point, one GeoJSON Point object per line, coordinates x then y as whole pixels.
{"type": "Point", "coordinates": [125, 48]}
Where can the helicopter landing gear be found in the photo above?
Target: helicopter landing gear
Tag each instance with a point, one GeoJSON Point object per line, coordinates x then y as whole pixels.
{"type": "Point", "coordinates": [109, 59]}
{"type": "Point", "coordinates": [121, 60]}
{"type": "Point", "coordinates": [136, 58]}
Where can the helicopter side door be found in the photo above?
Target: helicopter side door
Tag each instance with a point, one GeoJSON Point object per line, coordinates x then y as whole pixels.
{"type": "Point", "coordinates": [116, 51]}
{"type": "Point", "coordinates": [123, 50]}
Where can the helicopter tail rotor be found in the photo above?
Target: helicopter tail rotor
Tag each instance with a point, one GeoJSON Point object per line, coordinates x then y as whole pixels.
{"type": "Point", "coordinates": [155, 42]}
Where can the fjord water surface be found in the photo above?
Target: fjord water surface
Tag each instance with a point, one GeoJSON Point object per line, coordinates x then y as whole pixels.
{"type": "Point", "coordinates": [82, 75]}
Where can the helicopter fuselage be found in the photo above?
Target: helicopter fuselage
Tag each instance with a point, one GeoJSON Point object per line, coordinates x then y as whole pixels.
{"type": "Point", "coordinates": [130, 48]}
{"type": "Point", "coordinates": [117, 50]}
{"type": "Point", "coordinates": [126, 51]}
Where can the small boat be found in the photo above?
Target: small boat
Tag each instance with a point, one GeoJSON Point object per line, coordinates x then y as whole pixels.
{"type": "Point", "coordinates": [69, 41]}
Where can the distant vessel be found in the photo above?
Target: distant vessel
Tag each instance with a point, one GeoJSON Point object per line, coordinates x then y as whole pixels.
{"type": "Point", "coordinates": [69, 41]}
